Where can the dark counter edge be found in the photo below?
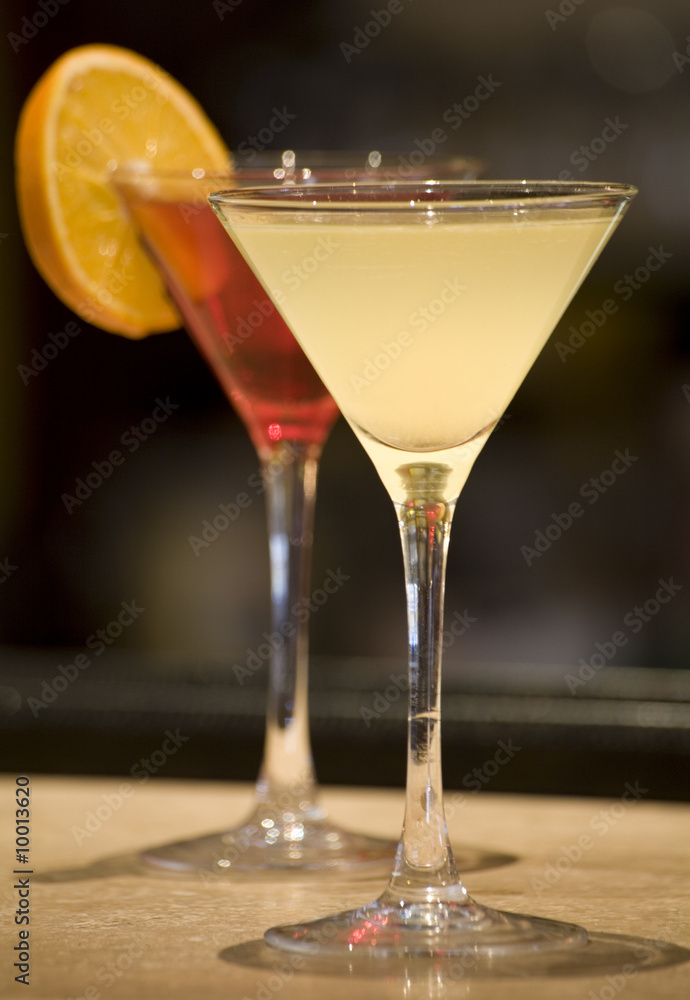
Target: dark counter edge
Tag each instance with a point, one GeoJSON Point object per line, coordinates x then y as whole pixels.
{"type": "Point", "coordinates": [533, 728]}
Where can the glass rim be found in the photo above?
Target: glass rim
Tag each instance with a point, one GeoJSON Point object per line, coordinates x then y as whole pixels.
{"type": "Point", "coordinates": [470, 195]}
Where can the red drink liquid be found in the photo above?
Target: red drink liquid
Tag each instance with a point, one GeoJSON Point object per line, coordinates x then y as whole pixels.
{"type": "Point", "coordinates": [233, 322]}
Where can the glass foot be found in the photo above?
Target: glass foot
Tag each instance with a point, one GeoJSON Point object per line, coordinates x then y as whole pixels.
{"type": "Point", "coordinates": [269, 843]}
{"type": "Point", "coordinates": [426, 929]}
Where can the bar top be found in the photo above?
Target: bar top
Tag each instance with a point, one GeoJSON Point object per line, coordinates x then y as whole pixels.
{"type": "Point", "coordinates": [101, 929]}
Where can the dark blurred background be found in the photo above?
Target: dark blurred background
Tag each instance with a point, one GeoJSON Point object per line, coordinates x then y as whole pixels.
{"type": "Point", "coordinates": [596, 91]}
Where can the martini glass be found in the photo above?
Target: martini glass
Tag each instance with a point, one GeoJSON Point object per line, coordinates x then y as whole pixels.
{"type": "Point", "coordinates": [423, 322]}
{"type": "Point", "coordinates": [288, 413]}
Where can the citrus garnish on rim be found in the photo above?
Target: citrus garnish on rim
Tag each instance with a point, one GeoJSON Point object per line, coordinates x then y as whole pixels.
{"type": "Point", "coordinates": [96, 108]}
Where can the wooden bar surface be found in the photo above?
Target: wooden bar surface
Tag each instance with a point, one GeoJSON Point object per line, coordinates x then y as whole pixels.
{"type": "Point", "coordinates": [618, 867]}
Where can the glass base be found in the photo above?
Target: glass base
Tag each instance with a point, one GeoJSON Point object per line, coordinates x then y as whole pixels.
{"type": "Point", "coordinates": [270, 844]}
{"type": "Point", "coordinates": [426, 929]}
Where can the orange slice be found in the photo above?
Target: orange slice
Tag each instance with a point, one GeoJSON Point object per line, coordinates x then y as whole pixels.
{"type": "Point", "coordinates": [97, 108]}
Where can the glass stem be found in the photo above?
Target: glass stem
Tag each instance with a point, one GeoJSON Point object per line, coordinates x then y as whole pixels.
{"type": "Point", "coordinates": [425, 870]}
{"type": "Point", "coordinates": [287, 782]}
